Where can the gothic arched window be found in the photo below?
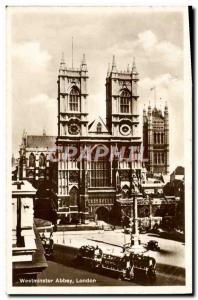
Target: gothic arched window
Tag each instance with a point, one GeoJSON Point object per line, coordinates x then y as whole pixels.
{"type": "Point", "coordinates": [73, 196]}
{"type": "Point", "coordinates": [162, 138]}
{"type": "Point", "coordinates": [155, 158]}
{"type": "Point", "coordinates": [125, 192]}
{"type": "Point", "coordinates": [31, 160]}
{"type": "Point", "coordinates": [99, 127]}
{"type": "Point", "coordinates": [125, 102]}
{"type": "Point", "coordinates": [158, 138]}
{"type": "Point", "coordinates": [99, 168]}
{"type": "Point", "coordinates": [42, 160]}
{"type": "Point", "coordinates": [155, 140]}
{"type": "Point", "coordinates": [74, 99]}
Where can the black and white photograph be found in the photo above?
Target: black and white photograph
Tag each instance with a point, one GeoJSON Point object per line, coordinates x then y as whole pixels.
{"type": "Point", "coordinates": [99, 150]}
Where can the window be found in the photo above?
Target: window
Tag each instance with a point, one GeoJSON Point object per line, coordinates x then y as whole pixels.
{"type": "Point", "coordinates": [125, 102]}
{"type": "Point", "coordinates": [73, 196]}
{"type": "Point", "coordinates": [125, 192]}
{"type": "Point", "coordinates": [158, 138]}
{"type": "Point", "coordinates": [99, 127]}
{"type": "Point", "coordinates": [74, 100]}
{"type": "Point", "coordinates": [42, 160]}
{"type": "Point", "coordinates": [159, 158]}
{"type": "Point", "coordinates": [31, 160]}
{"type": "Point", "coordinates": [155, 140]}
{"type": "Point", "coordinates": [162, 138]}
{"type": "Point", "coordinates": [155, 158]}
{"type": "Point", "coordinates": [99, 170]}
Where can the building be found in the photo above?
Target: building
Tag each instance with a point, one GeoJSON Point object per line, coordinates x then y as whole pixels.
{"type": "Point", "coordinates": [89, 188]}
{"type": "Point", "coordinates": [156, 140]}
{"type": "Point", "coordinates": [36, 154]}
{"type": "Point", "coordinates": [37, 164]}
{"type": "Point", "coordinates": [95, 168]}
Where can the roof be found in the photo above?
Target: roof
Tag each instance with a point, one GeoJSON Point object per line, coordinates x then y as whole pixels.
{"type": "Point", "coordinates": [93, 126]}
{"type": "Point", "coordinates": [40, 141]}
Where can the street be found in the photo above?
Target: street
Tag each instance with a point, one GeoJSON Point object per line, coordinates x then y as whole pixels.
{"type": "Point", "coordinates": [170, 260]}
{"type": "Point", "coordinates": [171, 252]}
{"type": "Point", "coordinates": [57, 271]}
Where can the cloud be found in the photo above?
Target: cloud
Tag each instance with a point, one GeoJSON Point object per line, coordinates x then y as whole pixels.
{"type": "Point", "coordinates": [163, 51]}
{"type": "Point", "coordinates": [168, 89]}
{"type": "Point", "coordinates": [147, 39]}
{"type": "Point", "coordinates": [31, 55]}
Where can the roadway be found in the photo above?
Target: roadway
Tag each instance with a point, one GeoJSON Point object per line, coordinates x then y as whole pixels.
{"type": "Point", "coordinates": [170, 261]}
{"type": "Point", "coordinates": [64, 274]}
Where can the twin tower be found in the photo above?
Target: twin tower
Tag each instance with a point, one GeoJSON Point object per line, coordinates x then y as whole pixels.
{"type": "Point", "coordinates": [122, 114]}
{"type": "Point", "coordinates": [92, 187]}
{"type": "Point", "coordinates": [121, 102]}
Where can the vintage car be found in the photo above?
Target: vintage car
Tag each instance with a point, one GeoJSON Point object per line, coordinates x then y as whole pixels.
{"type": "Point", "coordinates": [92, 255]}
{"type": "Point", "coordinates": [153, 245]}
{"type": "Point", "coordinates": [144, 267]}
{"type": "Point", "coordinates": [142, 229]}
{"type": "Point", "coordinates": [48, 243]}
{"type": "Point", "coordinates": [128, 266]}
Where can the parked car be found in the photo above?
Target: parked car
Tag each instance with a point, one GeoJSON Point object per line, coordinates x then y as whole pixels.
{"type": "Point", "coordinates": [153, 245]}
{"type": "Point", "coordinates": [142, 229]}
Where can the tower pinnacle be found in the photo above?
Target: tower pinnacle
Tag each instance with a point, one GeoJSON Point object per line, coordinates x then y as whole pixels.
{"type": "Point", "coordinates": [62, 64]}
{"type": "Point", "coordinates": [83, 60]}
{"type": "Point", "coordinates": [108, 70]}
{"type": "Point", "coordinates": [84, 64]}
{"type": "Point", "coordinates": [134, 69]}
{"type": "Point", "coordinates": [113, 65]}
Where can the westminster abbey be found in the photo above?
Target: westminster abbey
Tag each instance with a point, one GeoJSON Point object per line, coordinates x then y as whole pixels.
{"type": "Point", "coordinates": [99, 166]}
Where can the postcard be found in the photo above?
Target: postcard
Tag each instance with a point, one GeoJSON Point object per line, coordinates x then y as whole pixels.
{"type": "Point", "coordinates": [99, 126]}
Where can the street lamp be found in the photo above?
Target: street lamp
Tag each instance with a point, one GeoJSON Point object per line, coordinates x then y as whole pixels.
{"type": "Point", "coordinates": [136, 246]}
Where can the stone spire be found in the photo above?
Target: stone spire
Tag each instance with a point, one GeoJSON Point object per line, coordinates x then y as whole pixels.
{"type": "Point", "coordinates": [84, 64]}
{"type": "Point", "coordinates": [108, 70]}
{"type": "Point", "coordinates": [134, 69]}
{"type": "Point", "coordinates": [114, 65]}
{"type": "Point", "coordinates": [62, 65]}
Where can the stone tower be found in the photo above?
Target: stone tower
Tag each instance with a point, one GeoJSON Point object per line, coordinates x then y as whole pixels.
{"type": "Point", "coordinates": [72, 125]}
{"type": "Point", "coordinates": [122, 116]}
{"type": "Point", "coordinates": [156, 140]}
{"type": "Point", "coordinates": [72, 100]}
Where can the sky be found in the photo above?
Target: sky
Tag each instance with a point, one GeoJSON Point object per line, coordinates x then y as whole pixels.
{"type": "Point", "coordinates": [38, 36]}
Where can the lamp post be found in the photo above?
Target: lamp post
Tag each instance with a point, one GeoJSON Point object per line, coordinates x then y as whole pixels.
{"type": "Point", "coordinates": [135, 229]}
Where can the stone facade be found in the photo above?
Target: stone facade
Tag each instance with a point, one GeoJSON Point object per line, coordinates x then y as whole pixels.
{"type": "Point", "coordinates": [156, 140]}
{"type": "Point", "coordinates": [89, 188]}
{"type": "Point", "coordinates": [37, 153]}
